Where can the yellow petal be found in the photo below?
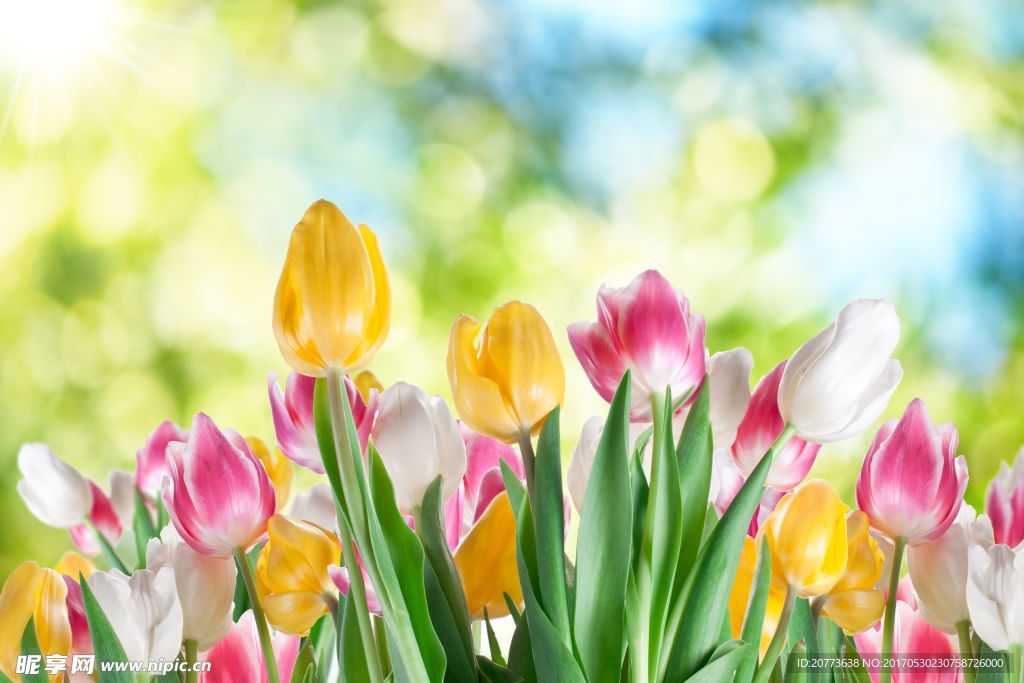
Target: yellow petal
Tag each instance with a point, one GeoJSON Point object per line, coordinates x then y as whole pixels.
{"type": "Point", "coordinates": [53, 629]}
{"type": "Point", "coordinates": [864, 558]}
{"type": "Point", "coordinates": [365, 382]}
{"type": "Point", "coordinates": [855, 610]}
{"type": "Point", "coordinates": [740, 596]}
{"type": "Point", "coordinates": [17, 605]}
{"type": "Point", "coordinates": [294, 613]}
{"type": "Point", "coordinates": [379, 316]}
{"type": "Point", "coordinates": [807, 535]}
{"type": "Point", "coordinates": [71, 563]}
{"type": "Point", "coordinates": [486, 561]}
{"type": "Point", "coordinates": [477, 398]}
{"type": "Point", "coordinates": [296, 556]}
{"type": "Point", "coordinates": [278, 467]}
{"type": "Point", "coordinates": [519, 354]}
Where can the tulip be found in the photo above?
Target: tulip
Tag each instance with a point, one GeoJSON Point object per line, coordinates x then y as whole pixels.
{"type": "Point", "coordinates": [292, 576]}
{"type": "Point", "coordinates": [277, 467]}
{"type": "Point", "coordinates": [486, 561]}
{"type": "Point", "coordinates": [418, 440]}
{"type": "Point", "coordinates": [292, 411]}
{"type": "Point", "coordinates": [647, 328]}
{"type": "Point", "coordinates": [332, 308]}
{"type": "Point", "coordinates": [316, 505]}
{"type": "Point", "coordinates": [740, 597]}
{"type": "Point", "coordinates": [912, 482]}
{"type": "Point", "coordinates": [481, 483]}
{"type": "Point", "coordinates": [220, 496]}
{"type": "Point", "coordinates": [109, 515]}
{"type": "Point", "coordinates": [239, 657]}
{"type": "Point", "coordinates": [761, 426]}
{"type": "Point", "coordinates": [915, 637]}
{"type": "Point", "coordinates": [840, 381]}
{"type": "Point", "coordinates": [995, 595]}
{"type": "Point", "coordinates": [1005, 502]}
{"type": "Point", "coordinates": [33, 592]}
{"type": "Point", "coordinates": [151, 459]}
{"type": "Point", "coordinates": [854, 603]}
{"type": "Point", "coordinates": [729, 376]}
{"type": "Point", "coordinates": [143, 610]}
{"type": "Point", "coordinates": [939, 570]}
{"type": "Point", "coordinates": [506, 376]}
{"type": "Point", "coordinates": [205, 586]}
{"type": "Point", "coordinates": [81, 639]}
{"type": "Point", "coordinates": [727, 480]}
{"type": "Point", "coordinates": [72, 564]}
{"type": "Point", "coordinates": [54, 491]}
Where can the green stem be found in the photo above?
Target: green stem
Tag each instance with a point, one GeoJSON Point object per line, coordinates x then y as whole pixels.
{"type": "Point", "coordinates": [257, 612]}
{"type": "Point", "coordinates": [890, 609]}
{"type": "Point", "coordinates": [788, 432]}
{"type": "Point", "coordinates": [109, 554]}
{"type": "Point", "coordinates": [191, 656]}
{"type": "Point", "coordinates": [963, 632]}
{"type": "Point", "coordinates": [771, 655]}
{"type": "Point", "coordinates": [1016, 663]}
{"type": "Point", "coordinates": [357, 593]}
{"type": "Point", "coordinates": [653, 631]}
{"type": "Point", "coordinates": [529, 464]}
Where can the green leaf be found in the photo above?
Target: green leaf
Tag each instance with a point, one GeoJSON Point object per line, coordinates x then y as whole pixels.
{"type": "Point", "coordinates": [604, 547]}
{"type": "Point", "coordinates": [400, 559]}
{"type": "Point", "coordinates": [492, 640]}
{"type": "Point", "coordinates": [325, 441]}
{"type": "Point", "coordinates": [446, 597]}
{"type": "Point", "coordinates": [142, 524]}
{"type": "Point", "coordinates": [713, 577]}
{"type": "Point", "coordinates": [801, 626]}
{"type": "Point", "coordinates": [322, 638]}
{"type": "Point", "coordinates": [753, 620]}
{"type": "Point", "coordinates": [859, 672]}
{"type": "Point", "coordinates": [723, 663]}
{"type": "Point", "coordinates": [639, 493]}
{"type": "Point", "coordinates": [513, 608]}
{"type": "Point", "coordinates": [105, 644]}
{"type": "Point", "coordinates": [694, 452]}
{"type": "Point", "coordinates": [549, 518]}
{"type": "Point", "coordinates": [350, 645]}
{"type": "Point", "coordinates": [797, 674]}
{"type": "Point", "coordinates": [520, 652]}
{"type": "Point", "coordinates": [30, 648]}
{"type": "Point", "coordinates": [305, 663]}
{"type": "Point", "coordinates": [493, 672]}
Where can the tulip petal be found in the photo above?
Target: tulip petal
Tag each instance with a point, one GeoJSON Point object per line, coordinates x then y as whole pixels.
{"type": "Point", "coordinates": [17, 604]}
{"type": "Point", "coordinates": [486, 561]}
{"type": "Point", "coordinates": [477, 398]}
{"type": "Point", "coordinates": [294, 613]}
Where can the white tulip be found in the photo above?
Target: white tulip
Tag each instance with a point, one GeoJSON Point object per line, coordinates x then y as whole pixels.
{"type": "Point", "coordinates": [144, 611]}
{"type": "Point", "coordinates": [582, 461]}
{"type": "Point", "coordinates": [316, 505]}
{"type": "Point", "coordinates": [840, 381]}
{"type": "Point", "coordinates": [995, 594]}
{"type": "Point", "coordinates": [205, 586]}
{"type": "Point", "coordinates": [54, 491]}
{"type": "Point", "coordinates": [729, 376]}
{"type": "Point", "coordinates": [939, 570]}
{"type": "Point", "coordinates": [418, 439]}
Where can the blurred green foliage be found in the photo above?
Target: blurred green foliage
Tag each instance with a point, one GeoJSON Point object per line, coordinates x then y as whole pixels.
{"type": "Point", "coordinates": [773, 159]}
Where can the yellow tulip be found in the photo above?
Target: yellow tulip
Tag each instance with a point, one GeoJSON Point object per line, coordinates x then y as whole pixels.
{"type": "Point", "coordinates": [740, 596]}
{"type": "Point", "coordinates": [366, 381]}
{"type": "Point", "coordinates": [807, 536]}
{"type": "Point", "coordinates": [33, 592]}
{"type": "Point", "coordinates": [292, 579]}
{"type": "Point", "coordinates": [278, 467]}
{"type": "Point", "coordinates": [71, 563]}
{"type": "Point", "coordinates": [854, 603]}
{"type": "Point", "coordinates": [486, 560]}
{"type": "Point", "coordinates": [332, 308]}
{"type": "Point", "coordinates": [506, 376]}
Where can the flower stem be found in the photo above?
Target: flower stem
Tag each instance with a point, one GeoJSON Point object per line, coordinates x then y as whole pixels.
{"type": "Point", "coordinates": [771, 655]}
{"type": "Point", "coordinates": [529, 462]}
{"type": "Point", "coordinates": [257, 612]}
{"type": "Point", "coordinates": [1016, 663]}
{"type": "Point", "coordinates": [357, 593]}
{"type": "Point", "coordinates": [963, 632]}
{"type": "Point", "coordinates": [109, 554]}
{"type": "Point", "coordinates": [889, 625]}
{"type": "Point", "coordinates": [191, 656]}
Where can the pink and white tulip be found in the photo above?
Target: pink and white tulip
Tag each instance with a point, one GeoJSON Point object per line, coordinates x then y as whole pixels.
{"type": "Point", "coordinates": [647, 328]}
{"type": "Point", "coordinates": [481, 483]}
{"type": "Point", "coordinates": [292, 411]}
{"type": "Point", "coordinates": [760, 427]}
{"type": "Point", "coordinates": [219, 496]}
{"type": "Point", "coordinates": [54, 491]}
{"type": "Point", "coordinates": [238, 657]}
{"type": "Point", "coordinates": [912, 482]}
{"type": "Point", "coordinates": [109, 514]}
{"type": "Point", "coordinates": [727, 480]}
{"type": "Point", "coordinates": [914, 637]}
{"type": "Point", "coordinates": [1004, 502]}
{"type": "Point", "coordinates": [151, 459]}
{"type": "Point", "coordinates": [81, 639]}
{"type": "Point", "coordinates": [840, 381]}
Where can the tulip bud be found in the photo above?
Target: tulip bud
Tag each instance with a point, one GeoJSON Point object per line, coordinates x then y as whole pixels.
{"type": "Point", "coordinates": [33, 592]}
{"type": "Point", "coordinates": [807, 537]}
{"type": "Point", "coordinates": [278, 468]}
{"type": "Point", "coordinates": [238, 656]}
{"type": "Point", "coordinates": [418, 440]}
{"type": "Point", "coordinates": [761, 426]}
{"type": "Point", "coordinates": [151, 459]}
{"type": "Point", "coordinates": [54, 491]}
{"type": "Point", "coordinates": [854, 603]}
{"type": "Point", "coordinates": [840, 381]}
{"type": "Point", "coordinates": [486, 561]}
{"type": "Point", "coordinates": [292, 411]}
{"type": "Point", "coordinates": [143, 610]}
{"type": "Point", "coordinates": [995, 594]}
{"type": "Point", "coordinates": [205, 586]}
{"type": "Point", "coordinates": [220, 496]}
{"type": "Point", "coordinates": [333, 302]}
{"type": "Point", "coordinates": [912, 482]}
{"type": "Point", "coordinates": [1004, 502]}
{"type": "Point", "coordinates": [647, 328]}
{"type": "Point", "coordinates": [292, 576]}
{"type": "Point", "coordinates": [506, 376]}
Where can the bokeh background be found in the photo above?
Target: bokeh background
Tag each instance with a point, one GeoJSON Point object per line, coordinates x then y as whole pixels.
{"type": "Point", "coordinates": [774, 159]}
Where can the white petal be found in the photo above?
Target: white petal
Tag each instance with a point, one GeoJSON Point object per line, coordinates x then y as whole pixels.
{"type": "Point", "coordinates": [54, 491]}
{"type": "Point", "coordinates": [316, 505]}
{"type": "Point", "coordinates": [578, 475]}
{"type": "Point", "coordinates": [729, 376]}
